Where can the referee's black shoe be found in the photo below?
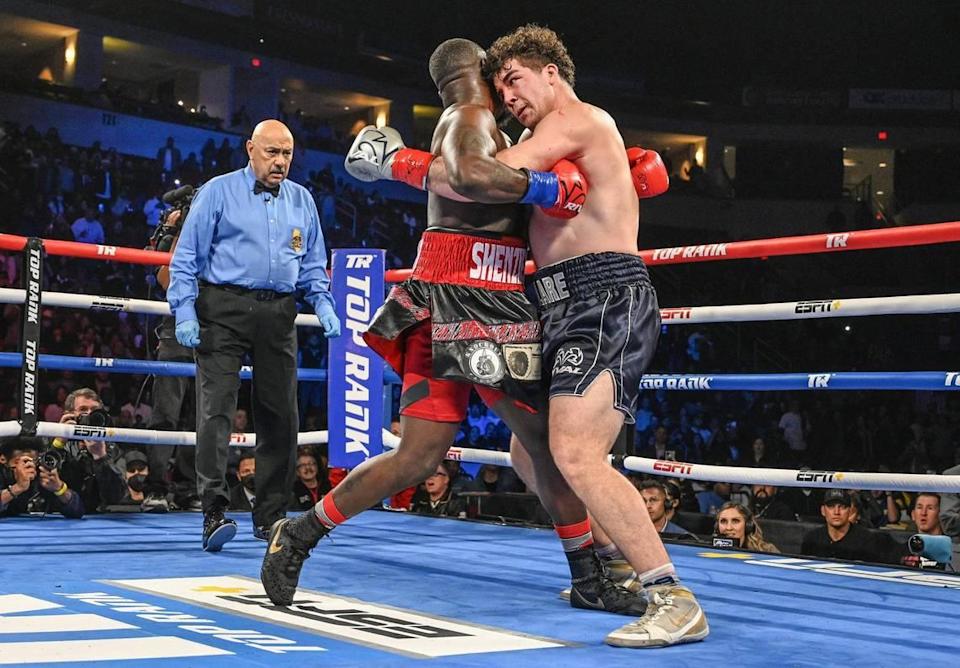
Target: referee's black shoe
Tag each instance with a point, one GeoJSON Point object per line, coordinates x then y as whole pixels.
{"type": "Point", "coordinates": [217, 529]}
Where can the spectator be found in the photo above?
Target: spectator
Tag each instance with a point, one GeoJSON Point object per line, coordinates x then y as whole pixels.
{"type": "Point", "coordinates": [436, 497]}
{"type": "Point", "coordinates": [87, 229]}
{"type": "Point", "coordinates": [926, 513]}
{"type": "Point", "coordinates": [137, 408]}
{"type": "Point", "coordinates": [243, 495]}
{"type": "Point", "coordinates": [759, 457]}
{"type": "Point", "coordinates": [768, 505]}
{"type": "Point", "coordinates": [26, 486]}
{"type": "Point", "coordinates": [492, 478]}
{"type": "Point", "coordinates": [150, 497]}
{"type": "Point", "coordinates": [309, 486]}
{"type": "Point", "coordinates": [711, 499]}
{"type": "Point", "coordinates": [736, 521]}
{"type": "Point", "coordinates": [153, 209]}
{"type": "Point", "coordinates": [840, 538]}
{"type": "Point", "coordinates": [655, 497]}
{"type": "Point", "coordinates": [168, 160]}
{"type": "Point", "coordinates": [950, 518]}
{"type": "Point", "coordinates": [794, 428]}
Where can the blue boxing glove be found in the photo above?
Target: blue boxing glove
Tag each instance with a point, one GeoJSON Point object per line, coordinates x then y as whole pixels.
{"type": "Point", "coordinates": [329, 321]}
{"type": "Point", "coordinates": [560, 192]}
{"type": "Point", "coordinates": [188, 333]}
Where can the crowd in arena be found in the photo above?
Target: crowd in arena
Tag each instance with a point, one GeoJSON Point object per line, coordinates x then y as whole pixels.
{"type": "Point", "coordinates": [98, 194]}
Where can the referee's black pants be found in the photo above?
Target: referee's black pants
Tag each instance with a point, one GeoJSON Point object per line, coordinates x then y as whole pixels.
{"type": "Point", "coordinates": [234, 321]}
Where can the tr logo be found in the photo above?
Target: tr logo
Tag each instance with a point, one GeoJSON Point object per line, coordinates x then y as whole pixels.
{"type": "Point", "coordinates": [359, 261]}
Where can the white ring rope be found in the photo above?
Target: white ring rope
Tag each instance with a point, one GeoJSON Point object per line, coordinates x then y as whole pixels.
{"type": "Point", "coordinates": [114, 304]}
{"type": "Point", "coordinates": [814, 308]}
{"type": "Point", "coordinates": [910, 482]}
{"type": "Point", "coordinates": [809, 308]}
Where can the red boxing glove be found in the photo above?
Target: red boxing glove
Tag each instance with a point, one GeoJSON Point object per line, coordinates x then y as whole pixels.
{"type": "Point", "coordinates": [648, 172]}
{"type": "Point", "coordinates": [571, 191]}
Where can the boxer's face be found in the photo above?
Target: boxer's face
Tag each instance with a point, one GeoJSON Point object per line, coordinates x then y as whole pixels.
{"type": "Point", "coordinates": [526, 92]}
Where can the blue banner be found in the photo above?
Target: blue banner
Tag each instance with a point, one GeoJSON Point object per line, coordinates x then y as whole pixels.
{"type": "Point", "coordinates": [355, 379]}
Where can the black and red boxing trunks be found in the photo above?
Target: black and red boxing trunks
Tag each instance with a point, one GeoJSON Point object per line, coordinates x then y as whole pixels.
{"type": "Point", "coordinates": [461, 321]}
{"type": "Point", "coordinates": [599, 313]}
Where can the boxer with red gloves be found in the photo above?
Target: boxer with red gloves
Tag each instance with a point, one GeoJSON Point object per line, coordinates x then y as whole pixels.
{"type": "Point", "coordinates": [462, 321]}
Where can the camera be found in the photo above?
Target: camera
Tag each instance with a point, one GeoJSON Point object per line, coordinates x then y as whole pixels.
{"type": "Point", "coordinates": [98, 417]}
{"type": "Point", "coordinates": [180, 199]}
{"type": "Point", "coordinates": [51, 460]}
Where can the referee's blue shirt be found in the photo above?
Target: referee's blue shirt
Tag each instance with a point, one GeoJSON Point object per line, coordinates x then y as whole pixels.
{"type": "Point", "coordinates": [232, 236]}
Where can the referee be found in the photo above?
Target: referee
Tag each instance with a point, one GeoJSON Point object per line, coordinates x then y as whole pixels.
{"type": "Point", "coordinates": [251, 239]}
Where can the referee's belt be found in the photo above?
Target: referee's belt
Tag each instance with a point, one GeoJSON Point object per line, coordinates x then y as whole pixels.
{"type": "Point", "coordinates": [253, 293]}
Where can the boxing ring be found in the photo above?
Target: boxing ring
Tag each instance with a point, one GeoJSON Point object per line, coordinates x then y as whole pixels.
{"type": "Point", "coordinates": [393, 588]}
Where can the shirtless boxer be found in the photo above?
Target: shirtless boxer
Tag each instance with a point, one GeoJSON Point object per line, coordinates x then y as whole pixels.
{"type": "Point", "coordinates": [461, 321]}
{"type": "Point", "coordinates": [598, 310]}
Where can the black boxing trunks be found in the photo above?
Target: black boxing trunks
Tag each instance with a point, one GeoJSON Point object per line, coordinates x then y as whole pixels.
{"type": "Point", "coordinates": [599, 314]}
{"type": "Point", "coordinates": [483, 330]}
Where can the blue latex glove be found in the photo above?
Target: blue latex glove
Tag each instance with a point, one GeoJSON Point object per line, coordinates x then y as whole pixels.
{"type": "Point", "coordinates": [188, 333]}
{"type": "Point", "coordinates": [330, 322]}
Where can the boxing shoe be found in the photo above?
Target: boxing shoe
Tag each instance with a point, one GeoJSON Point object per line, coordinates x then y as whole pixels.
{"type": "Point", "coordinates": [620, 573]}
{"type": "Point", "coordinates": [289, 546]}
{"type": "Point", "coordinates": [592, 589]}
{"type": "Point", "coordinates": [673, 617]}
{"type": "Point", "coordinates": [217, 529]}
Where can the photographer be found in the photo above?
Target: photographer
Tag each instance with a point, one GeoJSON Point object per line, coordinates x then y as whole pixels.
{"type": "Point", "coordinates": [90, 466]}
{"type": "Point", "coordinates": [174, 397]}
{"type": "Point", "coordinates": [31, 482]}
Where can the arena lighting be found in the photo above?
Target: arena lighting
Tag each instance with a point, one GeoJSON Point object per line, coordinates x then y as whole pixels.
{"type": "Point", "coordinates": [255, 62]}
{"type": "Point", "coordinates": [882, 135]}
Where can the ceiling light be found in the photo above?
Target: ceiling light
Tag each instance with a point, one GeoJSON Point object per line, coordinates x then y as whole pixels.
{"type": "Point", "coordinates": [882, 164]}
{"type": "Point", "coordinates": [879, 192]}
{"type": "Point", "coordinates": [180, 102]}
{"type": "Point", "coordinates": [346, 108]}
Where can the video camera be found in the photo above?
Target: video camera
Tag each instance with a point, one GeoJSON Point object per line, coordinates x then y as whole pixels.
{"type": "Point", "coordinates": [179, 200]}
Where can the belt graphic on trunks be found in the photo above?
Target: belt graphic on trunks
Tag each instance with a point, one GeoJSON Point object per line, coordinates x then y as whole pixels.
{"type": "Point", "coordinates": [463, 259]}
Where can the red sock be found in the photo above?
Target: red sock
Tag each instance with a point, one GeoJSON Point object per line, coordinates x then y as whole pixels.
{"type": "Point", "coordinates": [328, 513]}
{"type": "Point", "coordinates": [575, 537]}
